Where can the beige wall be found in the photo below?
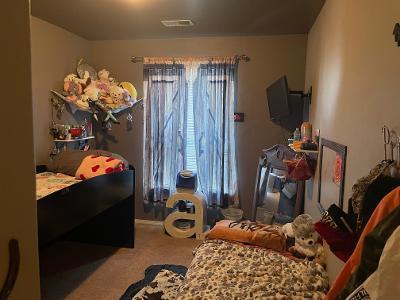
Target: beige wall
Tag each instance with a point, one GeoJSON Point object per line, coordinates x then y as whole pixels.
{"type": "Point", "coordinates": [353, 65]}
{"type": "Point", "coordinates": [55, 53]}
{"type": "Point", "coordinates": [271, 57]}
{"type": "Point", "coordinates": [17, 182]}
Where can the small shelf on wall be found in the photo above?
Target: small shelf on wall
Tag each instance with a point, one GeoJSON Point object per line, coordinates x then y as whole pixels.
{"type": "Point", "coordinates": [74, 140]}
{"type": "Point", "coordinates": [304, 151]}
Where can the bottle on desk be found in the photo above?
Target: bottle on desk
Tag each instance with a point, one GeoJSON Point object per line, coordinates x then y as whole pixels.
{"type": "Point", "coordinates": [297, 135]}
{"type": "Point", "coordinates": [306, 132]}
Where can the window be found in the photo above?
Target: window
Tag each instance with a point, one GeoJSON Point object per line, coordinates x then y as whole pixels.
{"type": "Point", "coordinates": [189, 125]}
{"type": "Point", "coordinates": [191, 163]}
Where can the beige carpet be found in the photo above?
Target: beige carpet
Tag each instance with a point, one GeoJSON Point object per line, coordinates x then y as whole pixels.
{"type": "Point", "coordinates": [81, 271]}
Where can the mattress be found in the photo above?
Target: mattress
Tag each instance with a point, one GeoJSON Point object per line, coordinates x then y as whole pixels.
{"type": "Point", "coordinates": [48, 183]}
{"type": "Point", "coordinates": [224, 270]}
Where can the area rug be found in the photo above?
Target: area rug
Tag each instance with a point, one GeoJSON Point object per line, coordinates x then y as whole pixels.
{"type": "Point", "coordinates": [150, 274]}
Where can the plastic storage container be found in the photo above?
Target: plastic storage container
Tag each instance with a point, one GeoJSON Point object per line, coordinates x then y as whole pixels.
{"type": "Point", "coordinates": [232, 213]}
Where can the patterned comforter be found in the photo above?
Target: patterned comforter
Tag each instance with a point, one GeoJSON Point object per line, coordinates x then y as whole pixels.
{"type": "Point", "coordinates": [48, 182]}
{"type": "Point", "coordinates": [223, 270]}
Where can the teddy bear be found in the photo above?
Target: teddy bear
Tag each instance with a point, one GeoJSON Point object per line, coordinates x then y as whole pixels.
{"type": "Point", "coordinates": [103, 84]}
{"type": "Point", "coordinates": [74, 86]}
{"type": "Point", "coordinates": [85, 81]}
{"type": "Point", "coordinates": [72, 90]}
{"type": "Point", "coordinates": [83, 102]}
{"type": "Point", "coordinates": [305, 236]}
{"type": "Point", "coordinates": [92, 92]}
{"type": "Point", "coordinates": [103, 75]}
{"type": "Point", "coordinates": [117, 94]}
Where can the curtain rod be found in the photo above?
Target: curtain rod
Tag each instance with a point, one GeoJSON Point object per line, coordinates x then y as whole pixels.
{"type": "Point", "coordinates": [139, 59]}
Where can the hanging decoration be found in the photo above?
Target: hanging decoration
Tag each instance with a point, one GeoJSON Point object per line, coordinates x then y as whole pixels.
{"type": "Point", "coordinates": [129, 118]}
{"type": "Point", "coordinates": [95, 92]}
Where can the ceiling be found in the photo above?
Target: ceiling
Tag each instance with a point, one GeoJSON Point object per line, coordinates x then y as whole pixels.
{"type": "Point", "coordinates": [133, 19]}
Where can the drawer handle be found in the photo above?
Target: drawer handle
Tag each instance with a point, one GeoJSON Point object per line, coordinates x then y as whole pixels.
{"type": "Point", "coordinates": [13, 268]}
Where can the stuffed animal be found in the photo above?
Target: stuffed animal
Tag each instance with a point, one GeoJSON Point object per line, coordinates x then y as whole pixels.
{"type": "Point", "coordinates": [103, 84]}
{"type": "Point", "coordinates": [92, 92]}
{"type": "Point", "coordinates": [117, 94]}
{"type": "Point", "coordinates": [104, 76]}
{"type": "Point", "coordinates": [82, 81]}
{"type": "Point", "coordinates": [106, 100]}
{"type": "Point", "coordinates": [83, 102]}
{"type": "Point", "coordinates": [303, 231]}
{"type": "Point", "coordinates": [130, 88]}
{"type": "Point", "coordinates": [72, 90]}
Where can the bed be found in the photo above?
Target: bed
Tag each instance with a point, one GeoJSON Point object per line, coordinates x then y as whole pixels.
{"type": "Point", "coordinates": [227, 269]}
{"type": "Point", "coordinates": [99, 210]}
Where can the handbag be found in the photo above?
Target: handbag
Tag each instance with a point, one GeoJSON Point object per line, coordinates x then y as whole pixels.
{"type": "Point", "coordinates": [299, 168]}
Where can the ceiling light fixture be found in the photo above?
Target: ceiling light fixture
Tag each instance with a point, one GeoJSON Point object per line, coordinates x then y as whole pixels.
{"type": "Point", "coordinates": [177, 23]}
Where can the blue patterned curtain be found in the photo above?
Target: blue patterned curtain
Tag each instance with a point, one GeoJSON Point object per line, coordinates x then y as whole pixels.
{"type": "Point", "coordinates": [215, 94]}
{"type": "Point", "coordinates": [165, 113]}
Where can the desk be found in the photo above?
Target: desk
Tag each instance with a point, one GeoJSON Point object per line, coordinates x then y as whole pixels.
{"type": "Point", "coordinates": [272, 158]}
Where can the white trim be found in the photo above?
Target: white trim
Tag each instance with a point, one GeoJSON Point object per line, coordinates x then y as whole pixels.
{"type": "Point", "coordinates": [149, 222]}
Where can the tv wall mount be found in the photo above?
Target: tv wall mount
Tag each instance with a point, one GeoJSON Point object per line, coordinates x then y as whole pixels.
{"type": "Point", "coordinates": [303, 94]}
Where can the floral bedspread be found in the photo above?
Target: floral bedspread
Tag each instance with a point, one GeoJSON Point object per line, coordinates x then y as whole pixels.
{"type": "Point", "coordinates": [48, 182]}
{"type": "Point", "coordinates": [223, 270]}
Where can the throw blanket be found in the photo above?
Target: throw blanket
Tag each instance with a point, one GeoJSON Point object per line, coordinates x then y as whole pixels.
{"type": "Point", "coordinates": [224, 270]}
{"type": "Point", "coordinates": [95, 165]}
{"type": "Point", "coordinates": [48, 182]}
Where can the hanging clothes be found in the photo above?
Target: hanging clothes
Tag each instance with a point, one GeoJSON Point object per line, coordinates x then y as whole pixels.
{"type": "Point", "coordinates": [360, 187]}
{"type": "Point", "coordinates": [384, 282]}
{"type": "Point", "coordinates": [378, 189]}
{"type": "Point", "coordinates": [374, 243]}
{"type": "Point", "coordinates": [387, 205]}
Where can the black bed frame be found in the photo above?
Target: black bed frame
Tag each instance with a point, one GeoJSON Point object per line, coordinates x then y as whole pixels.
{"type": "Point", "coordinates": [99, 210]}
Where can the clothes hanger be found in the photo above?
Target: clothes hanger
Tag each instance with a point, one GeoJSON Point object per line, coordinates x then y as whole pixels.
{"type": "Point", "coordinates": [391, 139]}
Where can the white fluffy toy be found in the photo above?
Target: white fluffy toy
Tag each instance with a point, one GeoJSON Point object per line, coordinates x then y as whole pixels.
{"type": "Point", "coordinates": [303, 231]}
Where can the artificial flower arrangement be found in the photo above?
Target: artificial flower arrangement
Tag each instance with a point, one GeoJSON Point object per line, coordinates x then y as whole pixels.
{"type": "Point", "coordinates": [93, 91]}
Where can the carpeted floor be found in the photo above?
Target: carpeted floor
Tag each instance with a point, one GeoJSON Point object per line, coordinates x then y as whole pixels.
{"type": "Point", "coordinates": [81, 271]}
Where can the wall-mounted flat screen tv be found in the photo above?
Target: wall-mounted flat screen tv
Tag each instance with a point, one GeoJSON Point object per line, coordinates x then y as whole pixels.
{"type": "Point", "coordinates": [286, 109]}
{"type": "Point", "coordinates": [278, 99]}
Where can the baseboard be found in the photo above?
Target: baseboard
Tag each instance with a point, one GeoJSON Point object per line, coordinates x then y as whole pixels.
{"type": "Point", "coordinates": [149, 222]}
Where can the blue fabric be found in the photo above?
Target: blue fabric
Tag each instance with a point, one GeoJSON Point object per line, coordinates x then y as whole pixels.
{"type": "Point", "coordinates": [212, 84]}
{"type": "Point", "coordinates": [215, 96]}
{"type": "Point", "coordinates": [151, 273]}
{"type": "Point", "coordinates": [164, 105]}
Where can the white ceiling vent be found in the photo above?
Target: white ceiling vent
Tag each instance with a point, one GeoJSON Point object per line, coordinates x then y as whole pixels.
{"type": "Point", "coordinates": [177, 23]}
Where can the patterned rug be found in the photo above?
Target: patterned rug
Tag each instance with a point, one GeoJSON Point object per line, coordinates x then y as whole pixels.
{"type": "Point", "coordinates": [149, 287]}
